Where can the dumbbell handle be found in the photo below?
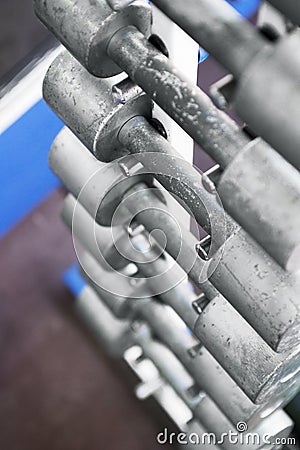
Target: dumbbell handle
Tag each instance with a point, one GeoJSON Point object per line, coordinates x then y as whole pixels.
{"type": "Point", "coordinates": [273, 292]}
{"type": "Point", "coordinates": [190, 107]}
{"type": "Point", "coordinates": [232, 333]}
{"type": "Point", "coordinates": [218, 28]}
{"type": "Point", "coordinates": [68, 79]}
{"type": "Point", "coordinates": [267, 74]}
{"type": "Point", "coordinates": [266, 369]}
{"type": "Point", "coordinates": [177, 176]}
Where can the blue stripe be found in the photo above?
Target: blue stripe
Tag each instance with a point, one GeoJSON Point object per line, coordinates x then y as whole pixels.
{"type": "Point", "coordinates": [24, 173]}
{"type": "Point", "coordinates": [73, 280]}
{"type": "Point", "coordinates": [245, 7]}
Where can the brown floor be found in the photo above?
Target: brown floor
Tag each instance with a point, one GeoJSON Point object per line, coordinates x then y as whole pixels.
{"type": "Point", "coordinates": [58, 391]}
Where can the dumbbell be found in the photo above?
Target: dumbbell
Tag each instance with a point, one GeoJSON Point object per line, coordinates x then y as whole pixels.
{"type": "Point", "coordinates": [265, 375]}
{"type": "Point", "coordinates": [101, 189]}
{"type": "Point", "coordinates": [278, 424]}
{"type": "Point", "coordinates": [225, 338]}
{"type": "Point", "coordinates": [171, 330]}
{"type": "Point", "coordinates": [194, 195]}
{"type": "Point", "coordinates": [269, 298]}
{"type": "Point", "coordinates": [267, 74]}
{"type": "Point", "coordinates": [116, 336]}
{"type": "Point", "coordinates": [262, 215]}
{"type": "Point", "coordinates": [222, 139]}
{"type": "Point", "coordinates": [271, 430]}
{"type": "Point", "coordinates": [228, 338]}
{"type": "Point", "coordinates": [198, 361]}
{"type": "Point", "coordinates": [90, 26]}
{"type": "Point", "coordinates": [240, 258]}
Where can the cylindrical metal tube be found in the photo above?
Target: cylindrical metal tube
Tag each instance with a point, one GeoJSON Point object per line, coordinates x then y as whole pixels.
{"type": "Point", "coordinates": [262, 192]}
{"type": "Point", "coordinates": [113, 334]}
{"type": "Point", "coordinates": [272, 374]}
{"type": "Point", "coordinates": [269, 298]}
{"type": "Point", "coordinates": [108, 106]}
{"type": "Point", "coordinates": [182, 179]}
{"type": "Point", "coordinates": [85, 27]}
{"type": "Point", "coordinates": [259, 189]}
{"type": "Point", "coordinates": [237, 352]}
{"type": "Point", "coordinates": [116, 336]}
{"type": "Point", "coordinates": [206, 411]}
{"type": "Point", "coordinates": [277, 426]}
{"type": "Point", "coordinates": [156, 270]}
{"type": "Point", "coordinates": [267, 96]}
{"type": "Point", "coordinates": [218, 28]}
{"type": "Point", "coordinates": [263, 293]}
{"type": "Point", "coordinates": [198, 361]}
{"type": "Point", "coordinates": [219, 136]}
{"type": "Point", "coordinates": [185, 103]}
{"type": "Point", "coordinates": [267, 374]}
{"type": "Point", "coordinates": [210, 376]}
{"type": "Point", "coordinates": [109, 260]}
{"type": "Point", "coordinates": [88, 181]}
{"type": "Point", "coordinates": [202, 366]}
{"type": "Point", "coordinates": [104, 137]}
{"type": "Point", "coordinates": [180, 243]}
{"type": "Point", "coordinates": [92, 240]}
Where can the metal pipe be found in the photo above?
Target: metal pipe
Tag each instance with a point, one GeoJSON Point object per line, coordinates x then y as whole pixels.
{"type": "Point", "coordinates": [251, 187]}
{"type": "Point", "coordinates": [117, 335]}
{"type": "Point", "coordinates": [267, 92]}
{"type": "Point", "coordinates": [113, 334]}
{"type": "Point", "coordinates": [267, 371]}
{"type": "Point", "coordinates": [269, 298]}
{"type": "Point", "coordinates": [107, 139]}
{"type": "Point", "coordinates": [278, 424]}
{"type": "Point", "coordinates": [178, 176]}
{"type": "Point", "coordinates": [210, 376]}
{"type": "Point", "coordinates": [212, 129]}
{"type": "Point", "coordinates": [218, 28]}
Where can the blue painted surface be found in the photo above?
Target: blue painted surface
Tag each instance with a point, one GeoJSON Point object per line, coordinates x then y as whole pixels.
{"type": "Point", "coordinates": [245, 7]}
{"type": "Point", "coordinates": [24, 173]}
{"type": "Point", "coordinates": [73, 280]}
